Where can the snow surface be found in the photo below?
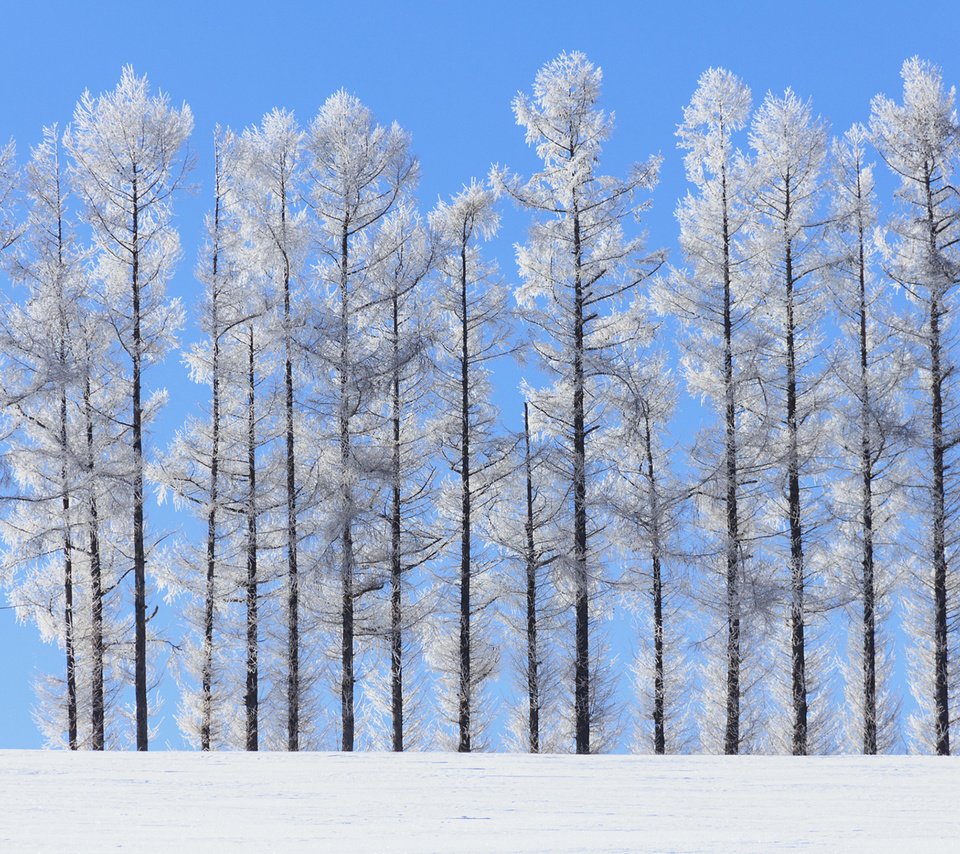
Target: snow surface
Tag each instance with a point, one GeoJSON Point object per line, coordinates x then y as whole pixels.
{"type": "Point", "coordinates": [165, 801]}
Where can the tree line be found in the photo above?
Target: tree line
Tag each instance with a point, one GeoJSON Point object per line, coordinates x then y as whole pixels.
{"type": "Point", "coordinates": [375, 561]}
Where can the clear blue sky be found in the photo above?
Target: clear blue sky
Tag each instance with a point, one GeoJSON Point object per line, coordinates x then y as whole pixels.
{"type": "Point", "coordinates": [446, 71]}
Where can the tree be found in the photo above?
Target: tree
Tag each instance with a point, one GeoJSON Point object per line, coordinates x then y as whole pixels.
{"type": "Point", "coordinates": [715, 304]}
{"type": "Point", "coordinates": [275, 227]}
{"type": "Point", "coordinates": [472, 304]}
{"type": "Point", "coordinates": [869, 429]}
{"type": "Point", "coordinates": [577, 268]}
{"type": "Point", "coordinates": [357, 171]}
{"type": "Point", "coordinates": [919, 140]}
{"type": "Point", "coordinates": [405, 258]}
{"type": "Point", "coordinates": [127, 167]}
{"type": "Point", "coordinates": [790, 148]}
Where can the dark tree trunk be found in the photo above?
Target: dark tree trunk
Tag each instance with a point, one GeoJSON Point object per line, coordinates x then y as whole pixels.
{"type": "Point", "coordinates": [293, 578]}
{"type": "Point", "coordinates": [208, 611]}
{"type": "Point", "coordinates": [465, 551]}
{"type": "Point", "coordinates": [139, 551]}
{"type": "Point", "coordinates": [346, 557]}
{"type": "Point", "coordinates": [866, 467]}
{"type": "Point", "coordinates": [659, 726]}
{"type": "Point", "coordinates": [251, 698]}
{"type": "Point", "coordinates": [581, 575]}
{"type": "Point", "coordinates": [533, 662]}
{"type": "Point", "coordinates": [797, 618]}
{"type": "Point", "coordinates": [941, 664]}
{"type": "Point", "coordinates": [68, 575]}
{"type": "Point", "coordinates": [96, 582]}
{"type": "Point", "coordinates": [396, 591]}
{"type": "Point", "coordinates": [731, 740]}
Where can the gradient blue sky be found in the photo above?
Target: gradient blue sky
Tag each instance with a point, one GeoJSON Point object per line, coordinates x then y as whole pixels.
{"type": "Point", "coordinates": [446, 71]}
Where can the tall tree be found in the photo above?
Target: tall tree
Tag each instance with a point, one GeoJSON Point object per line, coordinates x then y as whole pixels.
{"type": "Point", "coordinates": [577, 268]}
{"type": "Point", "coordinates": [473, 306]}
{"type": "Point", "coordinates": [270, 191]}
{"type": "Point", "coordinates": [357, 171]}
{"type": "Point", "coordinates": [715, 303]}
{"type": "Point", "coordinates": [790, 148]}
{"type": "Point", "coordinates": [871, 368]}
{"type": "Point", "coordinates": [126, 145]}
{"type": "Point", "coordinates": [919, 139]}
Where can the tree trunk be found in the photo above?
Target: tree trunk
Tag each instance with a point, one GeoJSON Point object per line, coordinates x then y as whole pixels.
{"type": "Point", "coordinates": [533, 663]}
{"type": "Point", "coordinates": [251, 698]}
{"type": "Point", "coordinates": [208, 610]}
{"type": "Point", "coordinates": [139, 551]}
{"type": "Point", "coordinates": [866, 467]}
{"type": "Point", "coordinates": [941, 663]}
{"type": "Point", "coordinates": [293, 579]}
{"type": "Point", "coordinates": [581, 576]}
{"type": "Point", "coordinates": [465, 551]}
{"type": "Point", "coordinates": [396, 592]}
{"type": "Point", "coordinates": [659, 727]}
{"type": "Point", "coordinates": [346, 557]}
{"type": "Point", "coordinates": [67, 573]}
{"type": "Point", "coordinates": [731, 740]}
{"type": "Point", "coordinates": [797, 647]}
{"type": "Point", "coordinates": [96, 582]}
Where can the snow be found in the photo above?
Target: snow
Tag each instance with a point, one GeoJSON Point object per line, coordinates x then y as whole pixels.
{"type": "Point", "coordinates": [167, 801]}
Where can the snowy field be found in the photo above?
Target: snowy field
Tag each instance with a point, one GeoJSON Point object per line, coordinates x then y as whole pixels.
{"type": "Point", "coordinates": [278, 802]}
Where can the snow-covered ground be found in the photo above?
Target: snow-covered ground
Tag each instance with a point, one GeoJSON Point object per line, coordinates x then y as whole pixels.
{"type": "Point", "coordinates": [176, 802]}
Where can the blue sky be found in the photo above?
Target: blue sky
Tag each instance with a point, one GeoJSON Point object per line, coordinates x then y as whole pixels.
{"type": "Point", "coordinates": [446, 71]}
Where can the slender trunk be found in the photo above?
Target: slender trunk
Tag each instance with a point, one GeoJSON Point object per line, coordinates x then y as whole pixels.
{"type": "Point", "coordinates": [293, 579]}
{"type": "Point", "coordinates": [346, 557]}
{"type": "Point", "coordinates": [68, 574]}
{"type": "Point", "coordinates": [581, 577]}
{"type": "Point", "coordinates": [797, 618]}
{"type": "Point", "coordinates": [96, 582]}
{"type": "Point", "coordinates": [731, 740]}
{"type": "Point", "coordinates": [659, 727]}
{"type": "Point", "coordinates": [465, 683]}
{"type": "Point", "coordinates": [941, 663]}
{"type": "Point", "coordinates": [208, 611]}
{"type": "Point", "coordinates": [396, 603]}
{"type": "Point", "coordinates": [251, 698]}
{"type": "Point", "coordinates": [139, 552]}
{"type": "Point", "coordinates": [65, 495]}
{"type": "Point", "coordinates": [866, 512]}
{"type": "Point", "coordinates": [533, 663]}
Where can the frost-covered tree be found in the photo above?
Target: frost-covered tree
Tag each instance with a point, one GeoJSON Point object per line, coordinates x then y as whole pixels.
{"type": "Point", "coordinates": [9, 182]}
{"type": "Point", "coordinates": [474, 331]}
{"type": "Point", "coordinates": [715, 301]}
{"type": "Point", "coordinates": [274, 225]}
{"type": "Point", "coordinates": [356, 172]}
{"type": "Point", "coordinates": [919, 139]}
{"type": "Point", "coordinates": [647, 500]}
{"type": "Point", "coordinates": [62, 412]}
{"type": "Point", "coordinates": [405, 258]}
{"type": "Point", "coordinates": [870, 369]}
{"type": "Point", "coordinates": [578, 269]}
{"type": "Point", "coordinates": [126, 146]}
{"type": "Point", "coordinates": [205, 468]}
{"type": "Point", "coordinates": [790, 148]}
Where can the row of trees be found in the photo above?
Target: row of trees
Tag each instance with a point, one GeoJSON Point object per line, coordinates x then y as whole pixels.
{"type": "Point", "coordinates": [370, 538]}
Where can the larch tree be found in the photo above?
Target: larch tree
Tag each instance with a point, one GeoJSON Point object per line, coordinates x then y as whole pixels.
{"type": "Point", "coordinates": [870, 439]}
{"type": "Point", "coordinates": [127, 146]}
{"type": "Point", "coordinates": [786, 235]}
{"type": "Point", "coordinates": [714, 301]}
{"type": "Point", "coordinates": [404, 261]}
{"type": "Point", "coordinates": [919, 139]}
{"type": "Point", "coordinates": [578, 268]}
{"type": "Point", "coordinates": [356, 172]}
{"type": "Point", "coordinates": [472, 305]}
{"type": "Point", "coordinates": [274, 223]}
